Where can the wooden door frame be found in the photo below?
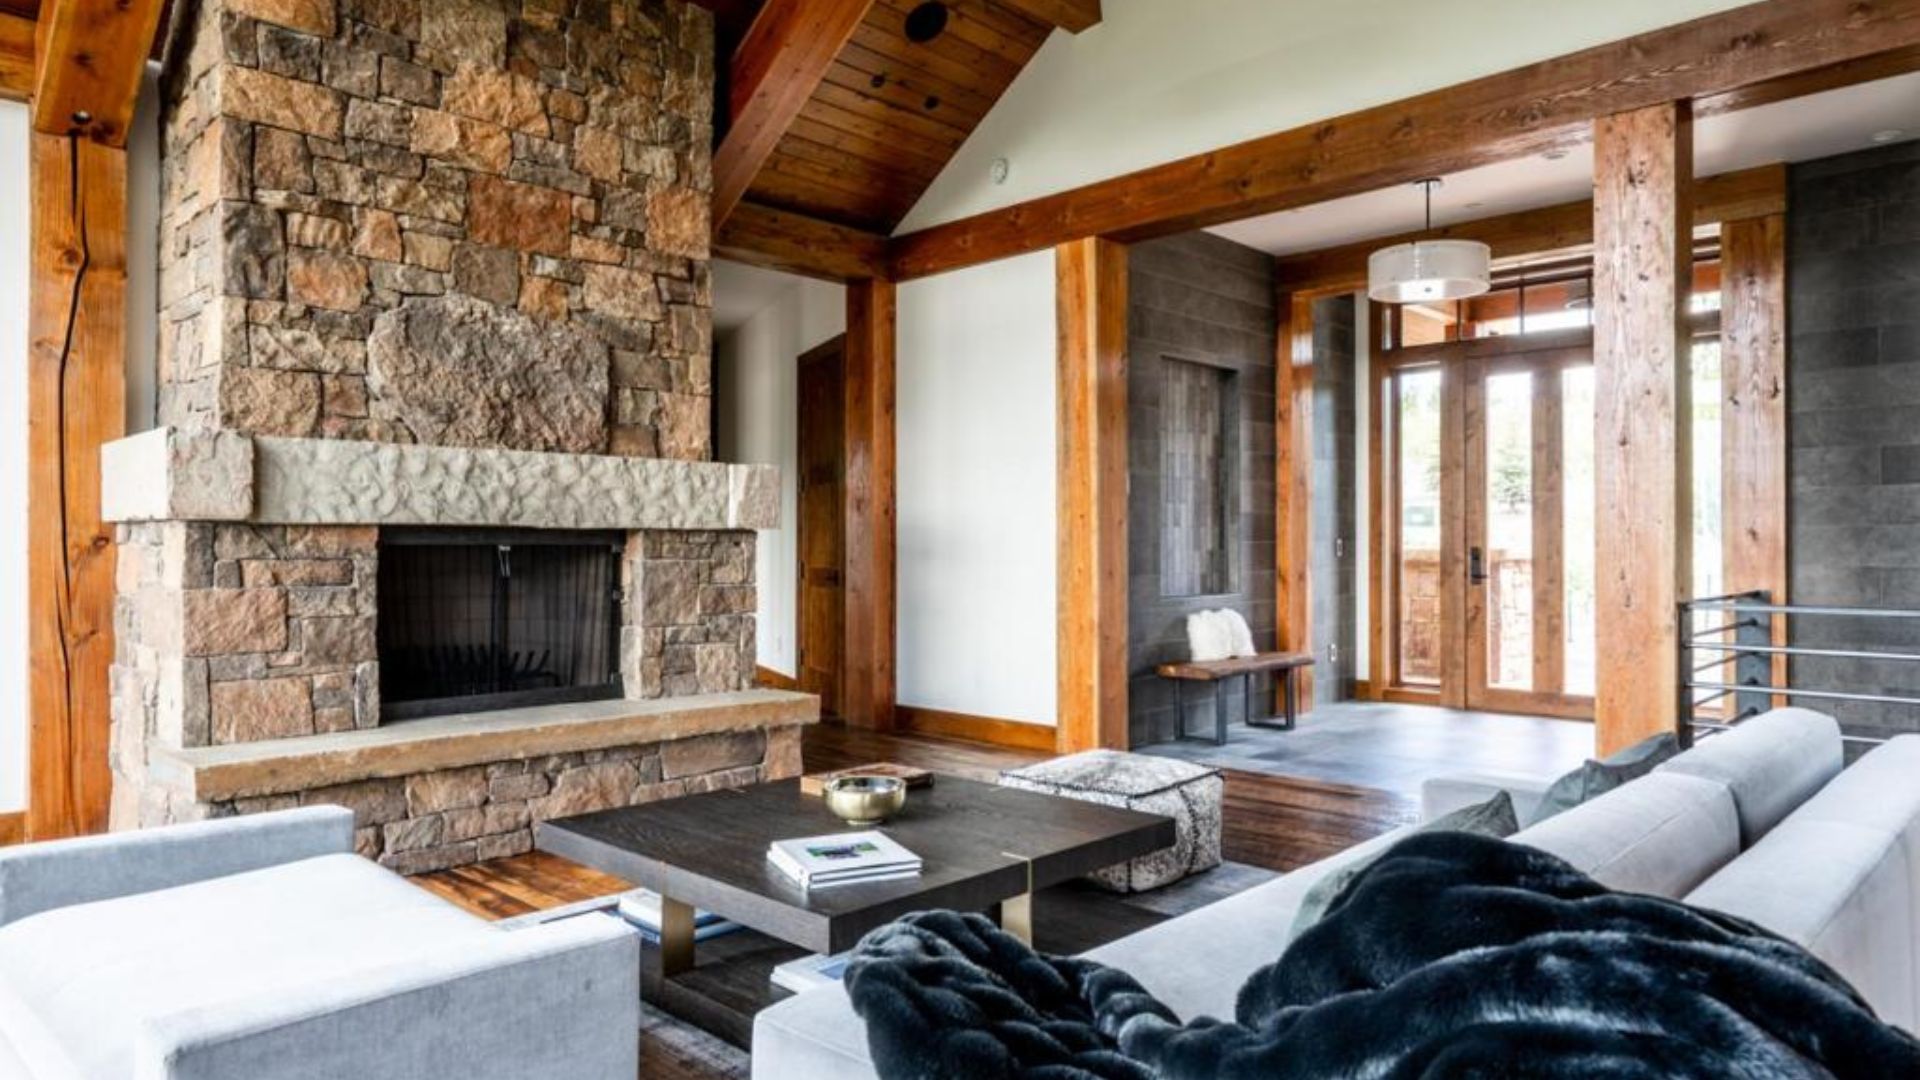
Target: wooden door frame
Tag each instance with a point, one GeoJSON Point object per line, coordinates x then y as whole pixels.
{"type": "Point", "coordinates": [1555, 350]}
{"type": "Point", "coordinates": [1546, 366]}
{"type": "Point", "coordinates": [835, 346]}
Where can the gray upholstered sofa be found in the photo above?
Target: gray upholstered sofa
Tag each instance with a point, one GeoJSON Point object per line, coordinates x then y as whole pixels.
{"type": "Point", "coordinates": [1759, 822]}
{"type": "Point", "coordinates": [262, 948]}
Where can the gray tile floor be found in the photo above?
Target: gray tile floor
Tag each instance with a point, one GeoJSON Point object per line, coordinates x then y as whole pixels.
{"type": "Point", "coordinates": [1395, 747]}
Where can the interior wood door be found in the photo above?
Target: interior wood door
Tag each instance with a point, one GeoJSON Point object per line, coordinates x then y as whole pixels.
{"type": "Point", "coordinates": [821, 540]}
{"type": "Point", "coordinates": [1527, 560]}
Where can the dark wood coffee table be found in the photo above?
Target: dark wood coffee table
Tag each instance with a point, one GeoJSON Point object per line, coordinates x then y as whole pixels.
{"type": "Point", "coordinates": [984, 848]}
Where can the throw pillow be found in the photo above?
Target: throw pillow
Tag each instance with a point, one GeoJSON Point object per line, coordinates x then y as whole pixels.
{"type": "Point", "coordinates": [1494, 818]}
{"type": "Point", "coordinates": [1208, 636]}
{"type": "Point", "coordinates": [1595, 778]}
{"type": "Point", "coordinates": [1239, 631]}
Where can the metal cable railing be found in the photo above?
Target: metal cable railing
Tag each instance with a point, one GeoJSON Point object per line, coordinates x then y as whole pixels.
{"type": "Point", "coordinates": [1750, 659]}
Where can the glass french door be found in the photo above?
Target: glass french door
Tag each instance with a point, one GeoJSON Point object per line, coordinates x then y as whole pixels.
{"type": "Point", "coordinates": [1489, 507]}
{"type": "Point", "coordinates": [1528, 533]}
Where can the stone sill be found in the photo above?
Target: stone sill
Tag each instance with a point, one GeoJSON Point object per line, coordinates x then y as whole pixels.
{"type": "Point", "coordinates": [170, 474]}
{"type": "Point", "coordinates": [286, 766]}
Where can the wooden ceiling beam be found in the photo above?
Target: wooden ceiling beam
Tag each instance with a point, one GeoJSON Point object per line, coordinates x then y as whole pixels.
{"type": "Point", "coordinates": [1533, 109]}
{"type": "Point", "coordinates": [797, 244]}
{"type": "Point", "coordinates": [16, 57]}
{"type": "Point", "coordinates": [777, 67]}
{"type": "Point", "coordinates": [92, 53]}
{"type": "Point", "coordinates": [1072, 16]}
{"type": "Point", "coordinates": [1729, 197]}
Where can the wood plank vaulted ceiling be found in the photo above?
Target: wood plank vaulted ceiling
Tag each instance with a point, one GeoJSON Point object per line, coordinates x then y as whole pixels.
{"type": "Point", "coordinates": [892, 112]}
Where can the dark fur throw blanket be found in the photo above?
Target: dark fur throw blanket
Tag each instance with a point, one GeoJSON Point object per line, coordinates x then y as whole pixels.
{"type": "Point", "coordinates": [1452, 956]}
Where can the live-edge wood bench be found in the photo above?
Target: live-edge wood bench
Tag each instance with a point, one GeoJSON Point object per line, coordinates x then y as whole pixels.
{"type": "Point", "coordinates": [1285, 667]}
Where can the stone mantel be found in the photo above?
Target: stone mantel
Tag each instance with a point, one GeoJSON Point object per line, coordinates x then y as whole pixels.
{"type": "Point", "coordinates": [279, 766]}
{"type": "Point", "coordinates": [170, 474]}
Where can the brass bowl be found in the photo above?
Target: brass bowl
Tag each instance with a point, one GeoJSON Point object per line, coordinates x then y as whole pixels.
{"type": "Point", "coordinates": [865, 800]}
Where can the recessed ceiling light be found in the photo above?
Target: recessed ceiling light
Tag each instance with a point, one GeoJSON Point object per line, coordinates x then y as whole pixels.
{"type": "Point", "coordinates": [1475, 205]}
{"type": "Point", "coordinates": [1887, 136]}
{"type": "Point", "coordinates": [1554, 155]}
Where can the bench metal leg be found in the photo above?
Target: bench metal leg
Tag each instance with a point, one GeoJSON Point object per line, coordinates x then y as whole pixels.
{"type": "Point", "coordinates": [1219, 712]}
{"type": "Point", "coordinates": [1290, 705]}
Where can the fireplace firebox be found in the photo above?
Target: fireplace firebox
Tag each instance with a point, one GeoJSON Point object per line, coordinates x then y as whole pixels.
{"type": "Point", "coordinates": [475, 620]}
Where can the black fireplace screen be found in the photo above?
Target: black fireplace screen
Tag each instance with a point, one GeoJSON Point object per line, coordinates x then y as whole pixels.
{"type": "Point", "coordinates": [473, 620]}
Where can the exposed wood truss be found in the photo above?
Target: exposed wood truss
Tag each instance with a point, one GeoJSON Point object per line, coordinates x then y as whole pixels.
{"type": "Point", "coordinates": [797, 244]}
{"type": "Point", "coordinates": [76, 403]}
{"type": "Point", "coordinates": [1528, 110]}
{"type": "Point", "coordinates": [1070, 15]}
{"type": "Point", "coordinates": [92, 53]}
{"type": "Point", "coordinates": [1642, 279]}
{"type": "Point", "coordinates": [868, 679]}
{"type": "Point", "coordinates": [1092, 530]}
{"type": "Point", "coordinates": [775, 70]}
{"type": "Point", "coordinates": [16, 57]}
{"type": "Point", "coordinates": [1746, 194]}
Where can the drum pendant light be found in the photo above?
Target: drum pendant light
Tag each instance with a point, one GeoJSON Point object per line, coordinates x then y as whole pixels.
{"type": "Point", "coordinates": [1428, 270]}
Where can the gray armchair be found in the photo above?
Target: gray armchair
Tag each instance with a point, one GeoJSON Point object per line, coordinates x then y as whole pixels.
{"type": "Point", "coordinates": [262, 948]}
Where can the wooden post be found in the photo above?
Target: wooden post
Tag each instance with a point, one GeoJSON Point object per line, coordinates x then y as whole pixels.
{"type": "Point", "coordinates": [868, 691]}
{"type": "Point", "coordinates": [1293, 484]}
{"type": "Point", "coordinates": [76, 394]}
{"type": "Point", "coordinates": [1753, 425]}
{"type": "Point", "coordinates": [1642, 276]}
{"type": "Point", "coordinates": [1092, 372]}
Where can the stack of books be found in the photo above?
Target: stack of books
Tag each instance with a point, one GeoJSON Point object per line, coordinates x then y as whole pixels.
{"type": "Point", "coordinates": [818, 862]}
{"type": "Point", "coordinates": [641, 909]}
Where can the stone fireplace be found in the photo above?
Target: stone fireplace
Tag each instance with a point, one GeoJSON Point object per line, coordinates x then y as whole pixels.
{"type": "Point", "coordinates": [430, 529]}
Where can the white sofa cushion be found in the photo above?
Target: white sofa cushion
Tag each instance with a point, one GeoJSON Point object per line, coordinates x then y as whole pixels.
{"type": "Point", "coordinates": [1841, 876]}
{"type": "Point", "coordinates": [95, 974]}
{"type": "Point", "coordinates": [1662, 834]}
{"type": "Point", "coordinates": [1771, 763]}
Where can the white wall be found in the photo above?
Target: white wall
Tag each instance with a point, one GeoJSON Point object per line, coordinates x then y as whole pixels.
{"type": "Point", "coordinates": [1159, 80]}
{"type": "Point", "coordinates": [13, 456]}
{"type": "Point", "coordinates": [755, 383]}
{"type": "Point", "coordinates": [976, 419]}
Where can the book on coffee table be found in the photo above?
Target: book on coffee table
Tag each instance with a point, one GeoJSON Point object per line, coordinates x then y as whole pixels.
{"type": "Point", "coordinates": [810, 971]}
{"type": "Point", "coordinates": [641, 910]}
{"type": "Point", "coordinates": [912, 775]}
{"type": "Point", "coordinates": [816, 862]}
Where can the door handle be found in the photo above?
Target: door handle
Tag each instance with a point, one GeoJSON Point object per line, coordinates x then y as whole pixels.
{"type": "Point", "coordinates": [1476, 566]}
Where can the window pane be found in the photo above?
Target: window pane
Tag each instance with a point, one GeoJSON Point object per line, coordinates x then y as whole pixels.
{"type": "Point", "coordinates": [1508, 586]}
{"type": "Point", "coordinates": [1709, 571]}
{"type": "Point", "coordinates": [1576, 470]}
{"type": "Point", "coordinates": [1417, 577]}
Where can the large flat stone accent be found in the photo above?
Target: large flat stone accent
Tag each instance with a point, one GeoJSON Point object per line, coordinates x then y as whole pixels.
{"type": "Point", "coordinates": [168, 474]}
{"type": "Point", "coordinates": [283, 766]}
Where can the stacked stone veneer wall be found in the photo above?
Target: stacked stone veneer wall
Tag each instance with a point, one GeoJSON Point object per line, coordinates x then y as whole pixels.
{"type": "Point", "coordinates": [432, 821]}
{"type": "Point", "coordinates": [458, 222]}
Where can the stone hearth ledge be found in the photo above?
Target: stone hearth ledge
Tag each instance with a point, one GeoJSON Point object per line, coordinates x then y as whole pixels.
{"type": "Point", "coordinates": [171, 474]}
{"type": "Point", "coordinates": [288, 766]}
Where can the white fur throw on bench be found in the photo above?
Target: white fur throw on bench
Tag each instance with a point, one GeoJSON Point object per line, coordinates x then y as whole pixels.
{"type": "Point", "coordinates": [1218, 635]}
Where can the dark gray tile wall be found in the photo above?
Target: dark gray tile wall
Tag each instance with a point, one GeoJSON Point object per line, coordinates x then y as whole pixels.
{"type": "Point", "coordinates": [1333, 519]}
{"type": "Point", "coordinates": [1200, 299]}
{"type": "Point", "coordinates": [1853, 381]}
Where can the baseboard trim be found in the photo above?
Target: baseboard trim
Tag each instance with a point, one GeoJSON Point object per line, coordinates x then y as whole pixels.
{"type": "Point", "coordinates": [13, 828]}
{"type": "Point", "coordinates": [773, 680]}
{"type": "Point", "coordinates": [1013, 734]}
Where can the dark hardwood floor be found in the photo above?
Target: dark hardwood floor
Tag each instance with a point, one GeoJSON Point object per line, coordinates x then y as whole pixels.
{"type": "Point", "coordinates": [1274, 822]}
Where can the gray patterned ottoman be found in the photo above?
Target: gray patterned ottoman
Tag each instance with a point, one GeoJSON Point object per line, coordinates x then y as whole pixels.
{"type": "Point", "coordinates": [1189, 794]}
